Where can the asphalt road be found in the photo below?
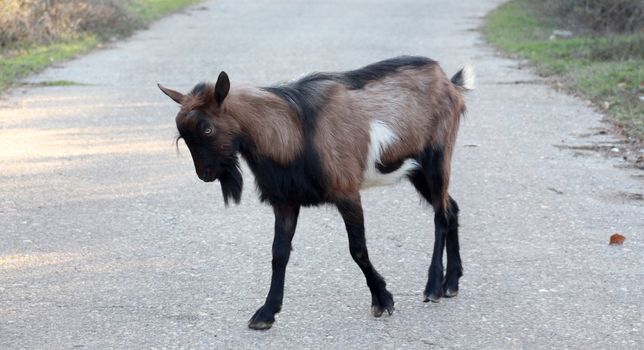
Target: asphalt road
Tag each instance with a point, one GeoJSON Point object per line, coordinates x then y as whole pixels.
{"type": "Point", "coordinates": [109, 239]}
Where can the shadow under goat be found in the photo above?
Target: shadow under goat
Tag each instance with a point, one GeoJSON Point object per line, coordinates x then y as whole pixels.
{"type": "Point", "coordinates": [323, 138]}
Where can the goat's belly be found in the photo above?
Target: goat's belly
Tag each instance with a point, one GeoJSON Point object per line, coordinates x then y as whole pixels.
{"type": "Point", "coordinates": [381, 136]}
{"type": "Point", "coordinates": [377, 175]}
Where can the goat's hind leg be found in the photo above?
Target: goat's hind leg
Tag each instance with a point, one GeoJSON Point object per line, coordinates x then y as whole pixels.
{"type": "Point", "coordinates": [381, 299]}
{"type": "Point", "coordinates": [431, 182]}
{"type": "Point", "coordinates": [454, 266]}
{"type": "Point", "coordinates": [446, 234]}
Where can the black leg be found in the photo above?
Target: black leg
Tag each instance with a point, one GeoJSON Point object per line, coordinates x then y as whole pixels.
{"type": "Point", "coordinates": [431, 183]}
{"type": "Point", "coordinates": [433, 289]}
{"type": "Point", "coordinates": [454, 266]}
{"type": "Point", "coordinates": [285, 223]}
{"type": "Point", "coordinates": [427, 188]}
{"type": "Point", "coordinates": [381, 299]}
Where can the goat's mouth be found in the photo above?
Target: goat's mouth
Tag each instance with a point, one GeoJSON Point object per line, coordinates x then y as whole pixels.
{"type": "Point", "coordinates": [227, 171]}
{"type": "Point", "coordinates": [209, 175]}
{"type": "Point", "coordinates": [208, 179]}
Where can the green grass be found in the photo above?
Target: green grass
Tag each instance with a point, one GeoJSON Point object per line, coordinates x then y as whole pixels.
{"type": "Point", "coordinates": [58, 83]}
{"type": "Point", "coordinates": [20, 60]}
{"type": "Point", "coordinates": [606, 69]}
{"type": "Point", "coordinates": [150, 10]}
{"type": "Point", "coordinates": [51, 83]}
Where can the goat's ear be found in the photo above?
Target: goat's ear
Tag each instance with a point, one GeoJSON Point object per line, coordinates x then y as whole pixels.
{"type": "Point", "coordinates": [175, 95]}
{"type": "Point", "coordinates": [222, 87]}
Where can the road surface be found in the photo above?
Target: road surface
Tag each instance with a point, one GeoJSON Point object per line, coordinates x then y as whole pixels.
{"type": "Point", "coordinates": [109, 239]}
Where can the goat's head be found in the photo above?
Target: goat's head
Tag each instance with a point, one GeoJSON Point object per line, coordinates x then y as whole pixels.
{"type": "Point", "coordinates": [212, 135]}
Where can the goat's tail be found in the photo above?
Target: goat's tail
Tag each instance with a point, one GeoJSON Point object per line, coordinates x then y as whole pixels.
{"type": "Point", "coordinates": [465, 77]}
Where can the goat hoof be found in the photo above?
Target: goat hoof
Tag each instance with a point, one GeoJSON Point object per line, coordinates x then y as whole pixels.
{"type": "Point", "coordinates": [377, 311]}
{"type": "Point", "coordinates": [259, 326]}
{"type": "Point", "coordinates": [433, 290]}
{"type": "Point", "coordinates": [450, 285]}
{"type": "Point", "coordinates": [433, 297]}
{"type": "Point", "coordinates": [383, 303]}
{"type": "Point", "coordinates": [261, 320]}
{"type": "Point", "coordinates": [450, 293]}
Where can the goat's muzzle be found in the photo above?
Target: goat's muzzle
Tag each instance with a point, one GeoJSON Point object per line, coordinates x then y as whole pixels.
{"type": "Point", "coordinates": [208, 175]}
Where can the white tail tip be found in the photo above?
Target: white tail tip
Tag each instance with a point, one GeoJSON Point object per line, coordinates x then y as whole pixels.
{"type": "Point", "coordinates": [469, 77]}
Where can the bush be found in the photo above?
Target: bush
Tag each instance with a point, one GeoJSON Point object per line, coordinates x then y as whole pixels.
{"type": "Point", "coordinates": [601, 15]}
{"type": "Point", "coordinates": [44, 21]}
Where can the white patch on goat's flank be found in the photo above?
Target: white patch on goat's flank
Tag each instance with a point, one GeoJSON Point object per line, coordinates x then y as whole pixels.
{"type": "Point", "coordinates": [381, 137]}
{"type": "Point", "coordinates": [469, 77]}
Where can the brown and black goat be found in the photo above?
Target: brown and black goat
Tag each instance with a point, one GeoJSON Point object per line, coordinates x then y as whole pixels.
{"type": "Point", "coordinates": [323, 138]}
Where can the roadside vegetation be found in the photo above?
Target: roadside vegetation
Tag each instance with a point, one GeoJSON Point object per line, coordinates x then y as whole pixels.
{"type": "Point", "coordinates": [37, 33]}
{"type": "Point", "coordinates": [594, 48]}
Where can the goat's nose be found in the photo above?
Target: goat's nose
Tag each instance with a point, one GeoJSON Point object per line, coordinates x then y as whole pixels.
{"type": "Point", "coordinates": [207, 175]}
{"type": "Point", "coordinates": [202, 174]}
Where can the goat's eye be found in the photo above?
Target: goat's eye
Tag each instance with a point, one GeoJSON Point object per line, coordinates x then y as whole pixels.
{"type": "Point", "coordinates": [207, 131]}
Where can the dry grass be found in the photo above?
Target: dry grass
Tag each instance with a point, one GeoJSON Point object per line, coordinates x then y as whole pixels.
{"type": "Point", "coordinates": [598, 16]}
{"type": "Point", "coordinates": [37, 33]}
{"type": "Point", "coordinates": [26, 22]}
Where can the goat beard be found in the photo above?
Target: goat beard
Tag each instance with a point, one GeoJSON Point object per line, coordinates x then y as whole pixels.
{"type": "Point", "coordinates": [231, 180]}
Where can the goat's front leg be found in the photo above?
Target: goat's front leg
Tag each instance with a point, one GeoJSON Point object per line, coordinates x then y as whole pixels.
{"type": "Point", "coordinates": [381, 299]}
{"type": "Point", "coordinates": [285, 223]}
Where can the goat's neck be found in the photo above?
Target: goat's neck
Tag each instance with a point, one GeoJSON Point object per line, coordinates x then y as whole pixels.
{"type": "Point", "coordinates": [269, 127]}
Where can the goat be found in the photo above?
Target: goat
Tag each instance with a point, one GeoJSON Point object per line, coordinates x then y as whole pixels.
{"type": "Point", "coordinates": [323, 138]}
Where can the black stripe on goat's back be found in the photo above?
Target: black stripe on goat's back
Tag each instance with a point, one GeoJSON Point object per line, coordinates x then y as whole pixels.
{"type": "Point", "coordinates": [307, 94]}
{"type": "Point", "coordinates": [357, 79]}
